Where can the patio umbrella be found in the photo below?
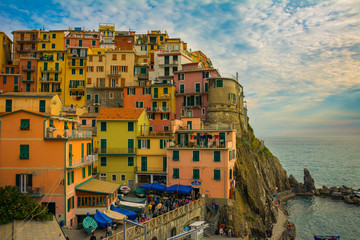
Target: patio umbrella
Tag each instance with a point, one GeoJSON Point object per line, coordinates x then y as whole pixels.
{"type": "Point", "coordinates": [154, 186]}
{"type": "Point", "coordinates": [179, 189]}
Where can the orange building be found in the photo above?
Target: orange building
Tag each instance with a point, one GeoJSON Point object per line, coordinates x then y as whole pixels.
{"type": "Point", "coordinates": [49, 158]}
{"type": "Point", "coordinates": [124, 40]}
{"type": "Point", "coordinates": [138, 97]}
{"type": "Point", "coordinates": [9, 79]}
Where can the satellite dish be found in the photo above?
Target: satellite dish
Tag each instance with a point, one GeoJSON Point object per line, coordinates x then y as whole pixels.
{"type": "Point", "coordinates": [54, 102]}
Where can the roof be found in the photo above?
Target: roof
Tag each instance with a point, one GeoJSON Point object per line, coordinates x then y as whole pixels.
{"type": "Point", "coordinates": [23, 110]}
{"type": "Point", "coordinates": [89, 115]}
{"type": "Point", "coordinates": [28, 94]}
{"type": "Point", "coordinates": [97, 186]}
{"type": "Point", "coordinates": [120, 113]}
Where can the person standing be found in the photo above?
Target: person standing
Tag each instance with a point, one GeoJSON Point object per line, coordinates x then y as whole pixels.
{"type": "Point", "coordinates": [93, 236]}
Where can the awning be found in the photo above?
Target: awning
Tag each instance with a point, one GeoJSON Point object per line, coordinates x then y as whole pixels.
{"type": "Point", "coordinates": [154, 186]}
{"type": "Point", "coordinates": [97, 186]}
{"type": "Point", "coordinates": [179, 188]}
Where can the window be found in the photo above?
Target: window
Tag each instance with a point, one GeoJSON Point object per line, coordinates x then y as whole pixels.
{"type": "Point", "coordinates": [203, 111]}
{"type": "Point", "coordinates": [219, 83]}
{"type": "Point", "coordinates": [166, 128]}
{"type": "Point", "coordinates": [67, 41]}
{"type": "Point", "coordinates": [73, 71]}
{"type": "Point", "coordinates": [42, 106]}
{"type": "Point", "coordinates": [24, 151]}
{"type": "Point", "coordinates": [93, 43]}
{"type": "Point", "coordinates": [143, 164]}
{"type": "Point", "coordinates": [181, 76]}
{"type": "Point", "coordinates": [182, 88]}
{"type": "Point", "coordinates": [103, 161]}
{"type": "Point", "coordinates": [166, 71]}
{"type": "Point", "coordinates": [53, 45]}
{"type": "Point", "coordinates": [175, 58]}
{"type": "Point", "coordinates": [176, 173]}
{"type": "Point", "coordinates": [165, 116]}
{"type": "Point", "coordinates": [163, 143]}
{"type": "Point", "coordinates": [196, 173]}
{"type": "Point", "coordinates": [8, 107]}
{"type": "Point", "coordinates": [206, 86]}
{"type": "Point", "coordinates": [130, 161]}
{"type": "Point", "coordinates": [230, 174]}
{"type": "Point", "coordinates": [111, 95]}
{"type": "Point", "coordinates": [89, 170]}
{"type": "Point", "coordinates": [43, 45]}
{"type": "Point", "coordinates": [100, 58]}
{"type": "Point", "coordinates": [70, 203]}
{"type": "Point", "coordinates": [70, 178]}
{"type": "Point", "coordinates": [123, 56]}
{"type": "Point", "coordinates": [73, 62]}
{"type": "Point", "coordinates": [4, 79]}
{"type": "Point", "coordinates": [144, 144]}
{"type": "Point", "coordinates": [197, 87]}
{"type": "Point", "coordinates": [25, 124]}
{"type": "Point", "coordinates": [164, 164]}
{"type": "Point", "coordinates": [139, 104]}
{"type": "Point", "coordinates": [113, 177]}
{"type": "Point", "coordinates": [113, 82]}
{"type": "Point", "coordinates": [114, 57]}
{"type": "Point", "coordinates": [196, 156]}
{"type": "Point", "coordinates": [88, 97]}
{"type": "Point", "coordinates": [81, 62]}
{"type": "Point", "coordinates": [130, 126]}
{"type": "Point", "coordinates": [93, 123]}
{"type": "Point", "coordinates": [103, 126]}
{"type": "Point", "coordinates": [124, 68]}
{"type": "Point", "coordinates": [233, 154]}
{"type": "Point", "coordinates": [81, 71]}
{"type": "Point", "coordinates": [217, 156]}
{"type": "Point", "coordinates": [182, 112]}
{"type": "Point", "coordinates": [175, 69]}
{"type": "Point", "coordinates": [123, 177]}
{"type": "Point", "coordinates": [83, 172]}
{"type": "Point", "coordinates": [103, 177]}
{"type": "Point", "coordinates": [23, 182]}
{"type": "Point", "coordinates": [131, 91]}
{"type": "Point", "coordinates": [166, 91]}
{"type": "Point", "coordinates": [176, 156]}
{"type": "Point", "coordinates": [217, 174]}
{"type": "Point", "coordinates": [83, 122]}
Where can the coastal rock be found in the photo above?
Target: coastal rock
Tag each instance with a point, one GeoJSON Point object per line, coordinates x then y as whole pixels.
{"type": "Point", "coordinates": [348, 199]}
{"type": "Point", "coordinates": [336, 195]}
{"type": "Point", "coordinates": [356, 200]}
{"type": "Point", "coordinates": [309, 182]}
{"type": "Point", "coordinates": [295, 185]}
{"type": "Point", "coordinates": [324, 191]}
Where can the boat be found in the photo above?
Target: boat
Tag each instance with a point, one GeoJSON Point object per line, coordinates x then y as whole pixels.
{"type": "Point", "coordinates": [89, 224]}
{"type": "Point", "coordinates": [131, 215]}
{"type": "Point", "coordinates": [324, 237]}
{"type": "Point", "coordinates": [132, 204]}
{"type": "Point", "coordinates": [140, 192]}
{"type": "Point", "coordinates": [133, 209]}
{"type": "Point", "coordinates": [133, 199]}
{"type": "Point", "coordinates": [125, 189]}
{"type": "Point", "coordinates": [115, 216]}
{"type": "Point", "coordinates": [102, 219]}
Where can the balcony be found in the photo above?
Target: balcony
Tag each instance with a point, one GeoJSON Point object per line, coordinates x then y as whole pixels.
{"type": "Point", "coordinates": [164, 96]}
{"type": "Point", "coordinates": [28, 68]}
{"type": "Point", "coordinates": [28, 80]}
{"type": "Point", "coordinates": [116, 151]}
{"type": "Point", "coordinates": [55, 70]}
{"type": "Point", "coordinates": [46, 58]}
{"type": "Point", "coordinates": [34, 192]}
{"type": "Point", "coordinates": [96, 103]}
{"type": "Point", "coordinates": [169, 64]}
{"type": "Point", "coordinates": [114, 74]}
{"type": "Point", "coordinates": [161, 110]}
{"type": "Point", "coordinates": [214, 144]}
{"type": "Point", "coordinates": [149, 170]}
{"type": "Point", "coordinates": [75, 66]}
{"type": "Point", "coordinates": [62, 134]}
{"type": "Point", "coordinates": [44, 39]}
{"type": "Point", "coordinates": [156, 134]}
{"type": "Point", "coordinates": [76, 86]}
{"type": "Point", "coordinates": [81, 162]}
{"type": "Point", "coordinates": [26, 39]}
{"type": "Point", "coordinates": [24, 49]}
{"type": "Point", "coordinates": [192, 106]}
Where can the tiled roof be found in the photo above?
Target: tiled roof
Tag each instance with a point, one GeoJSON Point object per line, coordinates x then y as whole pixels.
{"type": "Point", "coordinates": [120, 113]}
{"type": "Point", "coordinates": [28, 94]}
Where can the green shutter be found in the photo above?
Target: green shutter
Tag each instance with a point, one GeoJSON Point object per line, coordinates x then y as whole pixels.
{"type": "Point", "coordinates": [68, 178]}
{"type": "Point", "coordinates": [217, 175]}
{"type": "Point", "coordinates": [164, 164]}
{"type": "Point", "coordinates": [8, 107]}
{"type": "Point", "coordinates": [233, 153]}
{"type": "Point", "coordinates": [196, 174]}
{"type": "Point", "coordinates": [196, 157]}
{"type": "Point", "coordinates": [70, 154]}
{"type": "Point", "coordinates": [51, 123]}
{"type": "Point", "coordinates": [197, 87]}
{"type": "Point", "coordinates": [130, 161]}
{"type": "Point", "coordinates": [219, 83]}
{"type": "Point", "coordinates": [103, 161]}
{"type": "Point", "coordinates": [24, 124]}
{"type": "Point", "coordinates": [82, 150]}
{"type": "Point", "coordinates": [42, 106]}
{"type": "Point", "coordinates": [83, 172]}
{"type": "Point", "coordinates": [68, 204]}
{"type": "Point", "coordinates": [230, 174]}
{"type": "Point", "coordinates": [161, 144]}
{"type": "Point", "coordinates": [176, 173]}
{"type": "Point", "coordinates": [18, 180]}
{"type": "Point", "coordinates": [144, 164]}
{"type": "Point", "coordinates": [217, 156]}
{"type": "Point", "coordinates": [139, 144]}
{"type": "Point", "coordinates": [29, 183]}
{"type": "Point", "coordinates": [72, 177]}
{"type": "Point", "coordinates": [148, 144]}
{"type": "Point", "coordinates": [24, 151]}
{"type": "Point", "coordinates": [103, 126]}
{"type": "Point", "coordinates": [66, 125]}
{"type": "Point", "coordinates": [176, 155]}
{"type": "Point", "coordinates": [130, 126]}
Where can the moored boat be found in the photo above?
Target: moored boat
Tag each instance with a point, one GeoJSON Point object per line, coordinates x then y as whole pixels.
{"type": "Point", "coordinates": [102, 219]}
{"type": "Point", "coordinates": [115, 216]}
{"type": "Point", "coordinates": [323, 237]}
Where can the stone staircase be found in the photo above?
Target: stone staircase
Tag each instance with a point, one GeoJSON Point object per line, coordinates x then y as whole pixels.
{"type": "Point", "coordinates": [213, 221]}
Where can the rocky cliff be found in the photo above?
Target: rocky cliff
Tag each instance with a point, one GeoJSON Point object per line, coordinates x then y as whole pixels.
{"type": "Point", "coordinates": [259, 177]}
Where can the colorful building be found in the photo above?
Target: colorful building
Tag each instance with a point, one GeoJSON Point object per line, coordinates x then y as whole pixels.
{"type": "Point", "coordinates": [48, 103]}
{"type": "Point", "coordinates": [47, 157]}
{"type": "Point", "coordinates": [117, 155]}
{"type": "Point", "coordinates": [203, 157]}
{"type": "Point", "coordinates": [124, 40]}
{"type": "Point", "coordinates": [107, 35]}
{"type": "Point", "coordinates": [154, 39]}
{"type": "Point", "coordinates": [78, 37]}
{"type": "Point", "coordinates": [5, 49]}
{"type": "Point", "coordinates": [191, 89]}
{"type": "Point", "coordinates": [9, 78]}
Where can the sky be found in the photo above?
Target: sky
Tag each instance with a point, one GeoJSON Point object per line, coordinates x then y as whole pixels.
{"type": "Point", "coordinates": [298, 60]}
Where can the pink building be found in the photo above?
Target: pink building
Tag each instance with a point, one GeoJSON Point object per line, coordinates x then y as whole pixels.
{"type": "Point", "coordinates": [191, 89]}
{"type": "Point", "coordinates": [203, 157]}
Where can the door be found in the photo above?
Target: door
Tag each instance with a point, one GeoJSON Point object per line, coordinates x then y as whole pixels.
{"type": "Point", "coordinates": [164, 106]}
{"type": "Point", "coordinates": [50, 205]}
{"type": "Point", "coordinates": [131, 184]}
{"type": "Point", "coordinates": [80, 43]}
{"type": "Point", "coordinates": [45, 66]}
{"type": "Point", "coordinates": [189, 125]}
{"type": "Point", "coordinates": [154, 106]}
{"type": "Point", "coordinates": [131, 146]}
{"type": "Point", "coordinates": [96, 98]}
{"type": "Point", "coordinates": [103, 143]}
{"type": "Point", "coordinates": [222, 139]}
{"type": "Point", "coordinates": [24, 182]}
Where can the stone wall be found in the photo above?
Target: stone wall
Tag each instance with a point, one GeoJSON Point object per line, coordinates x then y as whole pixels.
{"type": "Point", "coordinates": [108, 97]}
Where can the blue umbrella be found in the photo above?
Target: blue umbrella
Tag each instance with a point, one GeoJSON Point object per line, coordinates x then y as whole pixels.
{"type": "Point", "coordinates": [153, 186]}
{"type": "Point", "coordinates": [179, 188]}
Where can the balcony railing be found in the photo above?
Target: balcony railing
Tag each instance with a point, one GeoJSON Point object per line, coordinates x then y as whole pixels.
{"type": "Point", "coordinates": [33, 191]}
{"type": "Point", "coordinates": [28, 68]}
{"type": "Point", "coordinates": [163, 96]}
{"type": "Point", "coordinates": [160, 109]}
{"type": "Point", "coordinates": [96, 102]}
{"type": "Point", "coordinates": [116, 150]}
{"type": "Point", "coordinates": [81, 161]}
{"type": "Point", "coordinates": [156, 134]}
{"type": "Point", "coordinates": [114, 74]}
{"type": "Point", "coordinates": [149, 170]}
{"type": "Point", "coordinates": [50, 69]}
{"type": "Point", "coordinates": [29, 49]}
{"type": "Point", "coordinates": [202, 144]}
{"type": "Point", "coordinates": [26, 39]}
{"type": "Point", "coordinates": [70, 64]}
{"type": "Point", "coordinates": [53, 133]}
{"type": "Point", "coordinates": [28, 80]}
{"type": "Point", "coordinates": [46, 58]}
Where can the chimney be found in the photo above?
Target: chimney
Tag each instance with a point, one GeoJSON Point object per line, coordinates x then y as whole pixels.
{"type": "Point", "coordinates": [237, 76]}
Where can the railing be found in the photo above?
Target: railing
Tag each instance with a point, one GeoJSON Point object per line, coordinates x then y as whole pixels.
{"type": "Point", "coordinates": [70, 64]}
{"type": "Point", "coordinates": [50, 69]}
{"type": "Point", "coordinates": [134, 232]}
{"type": "Point", "coordinates": [116, 150]}
{"type": "Point", "coordinates": [33, 191]}
{"type": "Point", "coordinates": [160, 109]}
{"type": "Point", "coordinates": [82, 161]}
{"type": "Point", "coordinates": [149, 170]}
{"type": "Point", "coordinates": [46, 58]}
{"type": "Point", "coordinates": [28, 68]}
{"type": "Point", "coordinates": [214, 127]}
{"type": "Point", "coordinates": [29, 80]}
{"type": "Point", "coordinates": [19, 49]}
{"type": "Point", "coordinates": [69, 109]}
{"type": "Point", "coordinates": [116, 74]}
{"type": "Point", "coordinates": [96, 102]}
{"type": "Point", "coordinates": [210, 144]}
{"type": "Point", "coordinates": [53, 133]}
{"type": "Point", "coordinates": [157, 134]}
{"type": "Point", "coordinates": [26, 39]}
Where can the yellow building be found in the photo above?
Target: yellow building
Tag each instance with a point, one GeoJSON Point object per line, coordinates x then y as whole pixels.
{"type": "Point", "coordinates": [51, 63]}
{"type": "Point", "coordinates": [5, 49]}
{"type": "Point", "coordinates": [119, 68]}
{"type": "Point", "coordinates": [95, 74]}
{"type": "Point", "coordinates": [151, 163]}
{"type": "Point", "coordinates": [117, 132]}
{"type": "Point", "coordinates": [49, 103]}
{"type": "Point", "coordinates": [75, 64]}
{"type": "Point", "coordinates": [107, 35]}
{"type": "Point", "coordinates": [155, 39]}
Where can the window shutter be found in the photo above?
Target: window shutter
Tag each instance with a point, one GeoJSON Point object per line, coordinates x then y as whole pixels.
{"type": "Point", "coordinates": [139, 144]}
{"type": "Point", "coordinates": [216, 156]}
{"type": "Point", "coordinates": [148, 144]}
{"type": "Point", "coordinates": [161, 144]}
{"type": "Point", "coordinates": [18, 180]}
{"type": "Point", "coordinates": [29, 180]}
{"type": "Point", "coordinates": [72, 177]}
{"type": "Point", "coordinates": [68, 205]}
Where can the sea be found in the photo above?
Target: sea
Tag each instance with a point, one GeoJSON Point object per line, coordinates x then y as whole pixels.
{"type": "Point", "coordinates": [332, 161]}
